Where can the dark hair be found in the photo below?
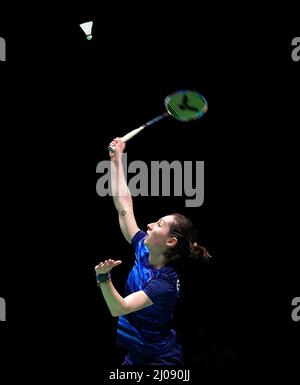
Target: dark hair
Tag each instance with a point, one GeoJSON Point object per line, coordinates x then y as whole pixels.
{"type": "Point", "coordinates": [186, 247]}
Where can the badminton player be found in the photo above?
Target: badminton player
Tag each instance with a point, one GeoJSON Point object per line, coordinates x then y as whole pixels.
{"type": "Point", "coordinates": [152, 288]}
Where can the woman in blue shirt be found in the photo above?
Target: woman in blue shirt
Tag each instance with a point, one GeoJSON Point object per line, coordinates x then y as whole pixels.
{"type": "Point", "coordinates": [152, 288]}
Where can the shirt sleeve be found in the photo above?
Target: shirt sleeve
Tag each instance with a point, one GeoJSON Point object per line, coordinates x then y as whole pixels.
{"type": "Point", "coordinates": [161, 291]}
{"type": "Point", "coordinates": [137, 238]}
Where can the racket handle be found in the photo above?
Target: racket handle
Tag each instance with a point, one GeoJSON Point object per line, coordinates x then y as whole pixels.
{"type": "Point", "coordinates": [131, 134]}
{"type": "Point", "coordinates": [128, 136]}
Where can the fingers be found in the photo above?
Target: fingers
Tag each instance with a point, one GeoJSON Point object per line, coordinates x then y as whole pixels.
{"type": "Point", "coordinates": [117, 142]}
{"type": "Point", "coordinates": [114, 144]}
{"type": "Point", "coordinates": [107, 264]}
{"type": "Point", "coordinates": [113, 263]}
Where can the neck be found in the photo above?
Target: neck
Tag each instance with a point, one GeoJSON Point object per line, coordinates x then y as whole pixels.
{"type": "Point", "coordinates": [157, 259]}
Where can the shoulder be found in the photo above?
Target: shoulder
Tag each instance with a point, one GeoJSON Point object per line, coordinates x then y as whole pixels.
{"type": "Point", "coordinates": [141, 251]}
{"type": "Point", "coordinates": [138, 237]}
{"type": "Point", "coordinates": [163, 287]}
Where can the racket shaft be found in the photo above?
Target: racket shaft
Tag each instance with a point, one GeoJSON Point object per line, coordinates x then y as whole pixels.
{"type": "Point", "coordinates": [134, 132]}
{"type": "Point", "coordinates": [156, 119]}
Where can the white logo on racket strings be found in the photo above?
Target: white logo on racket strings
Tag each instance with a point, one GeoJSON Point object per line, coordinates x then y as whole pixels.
{"type": "Point", "coordinates": [2, 49]}
{"type": "Point", "coordinates": [2, 309]}
{"type": "Point", "coordinates": [186, 174]}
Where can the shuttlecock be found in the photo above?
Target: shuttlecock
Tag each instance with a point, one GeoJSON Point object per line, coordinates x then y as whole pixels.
{"type": "Point", "coordinates": [87, 29]}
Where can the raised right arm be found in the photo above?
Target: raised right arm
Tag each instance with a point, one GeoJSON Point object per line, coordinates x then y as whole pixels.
{"type": "Point", "coordinates": [120, 191]}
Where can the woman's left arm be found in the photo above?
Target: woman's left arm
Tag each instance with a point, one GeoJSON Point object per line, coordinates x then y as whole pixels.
{"type": "Point", "coordinates": [115, 302]}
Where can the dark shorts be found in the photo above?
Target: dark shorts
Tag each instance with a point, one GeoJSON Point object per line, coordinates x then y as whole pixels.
{"type": "Point", "coordinates": [171, 357]}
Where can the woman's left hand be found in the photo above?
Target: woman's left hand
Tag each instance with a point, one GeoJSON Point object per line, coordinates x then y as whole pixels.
{"type": "Point", "coordinates": [106, 266]}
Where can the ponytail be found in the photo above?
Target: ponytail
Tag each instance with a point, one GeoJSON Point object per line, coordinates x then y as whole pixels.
{"type": "Point", "coordinates": [199, 252]}
{"type": "Point", "coordinates": [186, 246]}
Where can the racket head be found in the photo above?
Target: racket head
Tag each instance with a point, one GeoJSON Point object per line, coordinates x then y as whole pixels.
{"type": "Point", "coordinates": [186, 105]}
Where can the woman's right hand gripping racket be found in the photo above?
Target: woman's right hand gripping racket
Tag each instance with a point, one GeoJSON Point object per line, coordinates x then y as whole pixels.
{"type": "Point", "coordinates": [118, 145]}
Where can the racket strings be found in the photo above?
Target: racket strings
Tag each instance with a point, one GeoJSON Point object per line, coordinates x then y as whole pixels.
{"type": "Point", "coordinates": [186, 105]}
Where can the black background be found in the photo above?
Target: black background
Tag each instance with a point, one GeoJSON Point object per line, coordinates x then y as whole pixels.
{"type": "Point", "coordinates": [234, 314]}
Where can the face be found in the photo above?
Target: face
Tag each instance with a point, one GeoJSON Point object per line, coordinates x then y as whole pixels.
{"type": "Point", "coordinates": [158, 239]}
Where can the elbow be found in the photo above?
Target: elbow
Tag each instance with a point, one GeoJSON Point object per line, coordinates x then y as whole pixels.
{"type": "Point", "coordinates": [119, 312]}
{"type": "Point", "coordinates": [124, 204]}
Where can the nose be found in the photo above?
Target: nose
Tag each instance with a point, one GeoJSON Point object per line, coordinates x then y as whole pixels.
{"type": "Point", "coordinates": [149, 226]}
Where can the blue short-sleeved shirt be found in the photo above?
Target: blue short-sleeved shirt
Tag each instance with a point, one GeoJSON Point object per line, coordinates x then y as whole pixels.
{"type": "Point", "coordinates": [148, 331]}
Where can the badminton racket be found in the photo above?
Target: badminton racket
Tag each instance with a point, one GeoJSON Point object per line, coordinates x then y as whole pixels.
{"type": "Point", "coordinates": [184, 105]}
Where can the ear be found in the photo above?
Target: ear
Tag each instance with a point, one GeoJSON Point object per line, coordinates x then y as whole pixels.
{"type": "Point", "coordinates": [172, 241]}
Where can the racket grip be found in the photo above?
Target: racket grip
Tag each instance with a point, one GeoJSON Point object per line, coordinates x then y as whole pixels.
{"type": "Point", "coordinates": [128, 136]}
{"type": "Point", "coordinates": [131, 134]}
